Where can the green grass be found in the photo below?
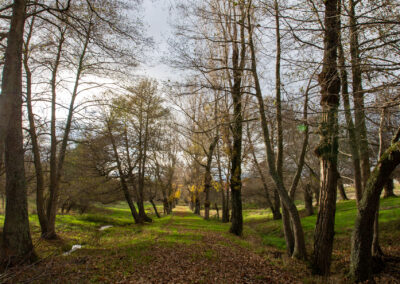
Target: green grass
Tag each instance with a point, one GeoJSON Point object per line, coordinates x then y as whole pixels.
{"type": "Point", "coordinates": [346, 211]}
{"type": "Point", "coordinates": [116, 248]}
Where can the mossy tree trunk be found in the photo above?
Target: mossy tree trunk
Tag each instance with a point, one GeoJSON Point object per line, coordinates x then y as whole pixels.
{"type": "Point", "coordinates": [361, 256]}
{"type": "Point", "coordinates": [327, 150]}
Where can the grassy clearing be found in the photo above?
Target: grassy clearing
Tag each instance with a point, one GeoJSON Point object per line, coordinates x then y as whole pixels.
{"type": "Point", "coordinates": [125, 249]}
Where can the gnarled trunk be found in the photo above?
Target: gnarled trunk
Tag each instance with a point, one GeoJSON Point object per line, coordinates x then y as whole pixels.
{"type": "Point", "coordinates": [327, 150]}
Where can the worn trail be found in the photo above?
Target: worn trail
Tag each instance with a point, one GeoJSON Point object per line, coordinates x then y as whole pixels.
{"type": "Point", "coordinates": [181, 248]}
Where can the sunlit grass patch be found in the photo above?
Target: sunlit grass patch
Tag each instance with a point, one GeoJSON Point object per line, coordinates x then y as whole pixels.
{"type": "Point", "coordinates": [346, 212]}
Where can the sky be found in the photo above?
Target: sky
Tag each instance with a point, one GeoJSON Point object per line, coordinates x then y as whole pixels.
{"type": "Point", "coordinates": [156, 17]}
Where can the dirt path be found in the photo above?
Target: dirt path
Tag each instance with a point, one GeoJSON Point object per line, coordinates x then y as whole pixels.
{"type": "Point", "coordinates": [214, 259]}
{"type": "Point", "coordinates": [183, 249]}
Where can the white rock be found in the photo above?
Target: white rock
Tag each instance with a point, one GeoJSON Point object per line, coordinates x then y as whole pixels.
{"type": "Point", "coordinates": [74, 248]}
{"type": "Point", "coordinates": [105, 227]}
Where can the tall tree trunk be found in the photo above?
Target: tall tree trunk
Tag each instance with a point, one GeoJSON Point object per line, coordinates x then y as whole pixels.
{"type": "Point", "coordinates": [354, 148]}
{"type": "Point", "coordinates": [236, 168]}
{"type": "Point", "coordinates": [376, 250]}
{"type": "Point", "coordinates": [225, 205]}
{"type": "Point", "coordinates": [122, 179]}
{"type": "Point", "coordinates": [327, 150]}
{"type": "Point", "coordinates": [279, 156]}
{"type": "Point", "coordinates": [299, 250]}
{"type": "Point", "coordinates": [50, 233]}
{"type": "Point", "coordinates": [142, 169]}
{"type": "Point", "coordinates": [238, 63]}
{"type": "Point", "coordinates": [56, 173]}
{"type": "Point", "coordinates": [16, 247]}
{"type": "Point", "coordinates": [40, 201]}
{"type": "Point", "coordinates": [208, 178]}
{"type": "Point", "coordinates": [361, 258]}
{"type": "Point", "coordinates": [358, 94]}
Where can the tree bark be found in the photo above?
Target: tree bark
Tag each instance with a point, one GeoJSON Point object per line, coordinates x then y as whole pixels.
{"type": "Point", "coordinates": [308, 200]}
{"type": "Point", "coordinates": [361, 257]}
{"type": "Point", "coordinates": [155, 208]}
{"type": "Point", "coordinates": [225, 203]}
{"type": "Point", "coordinates": [53, 186]}
{"type": "Point", "coordinates": [299, 250]}
{"type": "Point", "coordinates": [327, 150]}
{"type": "Point", "coordinates": [122, 179]}
{"type": "Point", "coordinates": [197, 206]}
{"type": "Point", "coordinates": [16, 247]}
{"type": "Point", "coordinates": [238, 63]}
{"type": "Point", "coordinates": [341, 189]}
{"type": "Point", "coordinates": [389, 189]}
{"type": "Point", "coordinates": [208, 178]}
{"type": "Point", "coordinates": [358, 95]}
{"type": "Point", "coordinates": [355, 152]}
{"type": "Point", "coordinates": [40, 201]}
{"type": "Point", "coordinates": [143, 144]}
{"type": "Point", "coordinates": [56, 172]}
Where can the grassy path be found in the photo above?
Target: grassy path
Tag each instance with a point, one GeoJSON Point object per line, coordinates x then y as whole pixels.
{"type": "Point", "coordinates": [181, 248]}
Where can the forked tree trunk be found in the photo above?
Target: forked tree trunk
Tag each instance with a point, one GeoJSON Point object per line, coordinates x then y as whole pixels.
{"type": "Point", "coordinates": [40, 201]}
{"type": "Point", "coordinates": [361, 258]}
{"type": "Point", "coordinates": [327, 150]}
{"type": "Point", "coordinates": [16, 247]}
{"type": "Point", "coordinates": [56, 172]}
{"type": "Point", "coordinates": [299, 249]}
{"type": "Point", "coordinates": [122, 179]}
{"type": "Point", "coordinates": [51, 212]}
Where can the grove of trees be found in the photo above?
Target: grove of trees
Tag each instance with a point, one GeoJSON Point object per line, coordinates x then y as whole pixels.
{"type": "Point", "coordinates": [278, 101]}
